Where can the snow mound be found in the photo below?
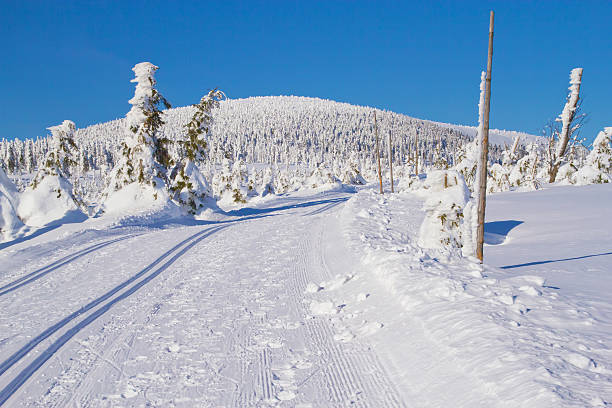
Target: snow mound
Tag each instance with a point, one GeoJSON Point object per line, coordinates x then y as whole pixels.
{"type": "Point", "coordinates": [138, 203]}
{"type": "Point", "coordinates": [9, 221]}
{"type": "Point", "coordinates": [51, 202]}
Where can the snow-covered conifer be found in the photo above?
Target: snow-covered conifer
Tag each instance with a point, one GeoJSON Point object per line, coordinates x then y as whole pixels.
{"type": "Point", "coordinates": [189, 187]}
{"type": "Point", "coordinates": [50, 196]}
{"type": "Point", "coordinates": [598, 166]}
{"type": "Point", "coordinates": [240, 182]}
{"type": "Point", "coordinates": [524, 173]}
{"type": "Point", "coordinates": [446, 197]}
{"type": "Point", "coordinates": [145, 158]}
{"type": "Point", "coordinates": [62, 156]}
{"type": "Point", "coordinates": [351, 173]}
{"type": "Point", "coordinates": [267, 182]}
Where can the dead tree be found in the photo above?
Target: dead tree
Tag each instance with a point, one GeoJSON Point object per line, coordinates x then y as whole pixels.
{"type": "Point", "coordinates": [570, 124]}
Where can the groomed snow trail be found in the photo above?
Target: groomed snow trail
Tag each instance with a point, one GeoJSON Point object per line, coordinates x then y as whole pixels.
{"type": "Point", "coordinates": [223, 314]}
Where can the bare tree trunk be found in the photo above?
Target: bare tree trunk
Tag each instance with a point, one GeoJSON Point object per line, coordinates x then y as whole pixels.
{"type": "Point", "coordinates": [569, 112]}
{"type": "Point", "coordinates": [391, 160]}
{"type": "Point", "coordinates": [378, 153]}
{"type": "Point", "coordinates": [484, 158]}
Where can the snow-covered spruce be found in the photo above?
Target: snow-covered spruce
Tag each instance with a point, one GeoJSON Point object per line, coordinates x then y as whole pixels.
{"type": "Point", "coordinates": [446, 196]}
{"type": "Point", "coordinates": [50, 197]}
{"type": "Point", "coordinates": [144, 158]}
{"type": "Point", "coordinates": [598, 166]}
{"type": "Point", "coordinates": [524, 173]}
{"type": "Point", "coordinates": [188, 185]}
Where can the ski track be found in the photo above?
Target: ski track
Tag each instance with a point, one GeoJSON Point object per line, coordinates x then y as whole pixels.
{"type": "Point", "coordinates": [226, 325]}
{"type": "Point", "coordinates": [22, 376]}
{"type": "Point", "coordinates": [39, 273]}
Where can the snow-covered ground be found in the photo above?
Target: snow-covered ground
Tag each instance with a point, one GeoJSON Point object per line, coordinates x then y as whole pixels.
{"type": "Point", "coordinates": [313, 300]}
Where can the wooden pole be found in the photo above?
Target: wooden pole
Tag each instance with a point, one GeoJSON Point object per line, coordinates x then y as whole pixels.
{"type": "Point", "coordinates": [378, 153]}
{"type": "Point", "coordinates": [391, 160]}
{"type": "Point", "coordinates": [416, 153]}
{"type": "Point", "coordinates": [484, 158]}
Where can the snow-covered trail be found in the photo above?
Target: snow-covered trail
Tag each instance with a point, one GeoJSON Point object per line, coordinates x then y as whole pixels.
{"type": "Point", "coordinates": [219, 314]}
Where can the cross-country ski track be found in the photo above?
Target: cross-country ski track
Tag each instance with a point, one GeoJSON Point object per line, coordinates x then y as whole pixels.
{"type": "Point", "coordinates": [217, 314]}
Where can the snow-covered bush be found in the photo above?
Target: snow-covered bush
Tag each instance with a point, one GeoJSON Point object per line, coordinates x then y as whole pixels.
{"type": "Point", "coordinates": [322, 178]}
{"type": "Point", "coordinates": [446, 195]}
{"type": "Point", "coordinates": [598, 166]}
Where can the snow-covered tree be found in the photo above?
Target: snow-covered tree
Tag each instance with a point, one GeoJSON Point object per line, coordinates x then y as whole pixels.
{"type": "Point", "coordinates": [240, 182]}
{"type": "Point", "coordinates": [570, 123]}
{"type": "Point", "coordinates": [222, 180]}
{"type": "Point", "coordinates": [446, 196]}
{"type": "Point", "coordinates": [524, 173]}
{"type": "Point", "coordinates": [322, 177]}
{"type": "Point", "coordinates": [189, 187]}
{"type": "Point", "coordinates": [498, 179]}
{"type": "Point", "coordinates": [50, 196]}
{"type": "Point", "coordinates": [598, 166]}
{"type": "Point", "coordinates": [63, 155]}
{"type": "Point", "coordinates": [144, 153]}
{"type": "Point", "coordinates": [267, 182]}
{"type": "Point", "coordinates": [350, 173]}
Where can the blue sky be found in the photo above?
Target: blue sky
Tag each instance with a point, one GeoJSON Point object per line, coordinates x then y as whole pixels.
{"type": "Point", "coordinates": [72, 60]}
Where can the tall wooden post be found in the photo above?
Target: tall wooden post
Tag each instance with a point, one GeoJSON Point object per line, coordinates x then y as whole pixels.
{"type": "Point", "coordinates": [391, 160]}
{"type": "Point", "coordinates": [416, 153]}
{"type": "Point", "coordinates": [378, 153]}
{"type": "Point", "coordinates": [484, 157]}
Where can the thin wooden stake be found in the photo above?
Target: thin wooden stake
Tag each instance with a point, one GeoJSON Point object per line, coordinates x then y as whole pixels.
{"type": "Point", "coordinates": [484, 158]}
{"type": "Point", "coordinates": [391, 160]}
{"type": "Point", "coordinates": [416, 153]}
{"type": "Point", "coordinates": [378, 153]}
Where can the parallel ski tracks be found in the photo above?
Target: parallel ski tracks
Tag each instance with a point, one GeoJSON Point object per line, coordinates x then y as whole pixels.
{"type": "Point", "coordinates": [29, 358]}
{"type": "Point", "coordinates": [40, 272]}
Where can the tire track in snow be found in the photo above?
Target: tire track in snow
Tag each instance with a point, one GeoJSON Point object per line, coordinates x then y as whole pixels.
{"type": "Point", "coordinates": [40, 272]}
{"type": "Point", "coordinates": [173, 254]}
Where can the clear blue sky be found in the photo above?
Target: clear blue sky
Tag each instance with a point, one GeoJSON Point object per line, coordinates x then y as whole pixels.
{"type": "Point", "coordinates": [72, 59]}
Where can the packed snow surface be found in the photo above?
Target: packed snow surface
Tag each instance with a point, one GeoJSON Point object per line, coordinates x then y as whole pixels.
{"type": "Point", "coordinates": [310, 300]}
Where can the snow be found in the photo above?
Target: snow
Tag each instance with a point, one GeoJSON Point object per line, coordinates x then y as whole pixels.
{"type": "Point", "coordinates": [313, 299]}
{"type": "Point", "coordinates": [10, 223]}
{"type": "Point", "coordinates": [50, 203]}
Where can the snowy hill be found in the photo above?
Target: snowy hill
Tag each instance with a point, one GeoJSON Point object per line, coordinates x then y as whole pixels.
{"type": "Point", "coordinates": [276, 129]}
